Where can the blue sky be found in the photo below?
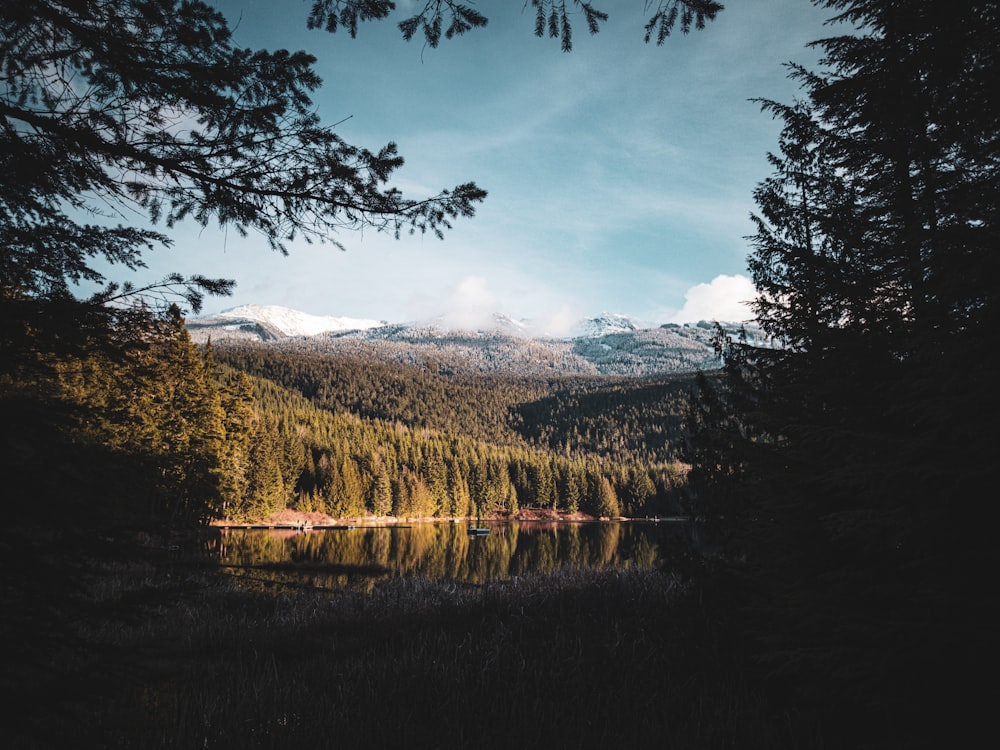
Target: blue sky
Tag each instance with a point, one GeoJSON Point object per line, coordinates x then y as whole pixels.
{"type": "Point", "coordinates": [619, 175]}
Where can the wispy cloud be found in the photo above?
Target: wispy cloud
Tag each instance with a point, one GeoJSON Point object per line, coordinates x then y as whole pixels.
{"type": "Point", "coordinates": [620, 175]}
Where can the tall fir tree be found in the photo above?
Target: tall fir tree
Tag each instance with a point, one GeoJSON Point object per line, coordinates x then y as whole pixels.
{"type": "Point", "coordinates": [845, 461]}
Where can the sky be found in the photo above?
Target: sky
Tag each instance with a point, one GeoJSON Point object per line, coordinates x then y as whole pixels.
{"type": "Point", "coordinates": [620, 175]}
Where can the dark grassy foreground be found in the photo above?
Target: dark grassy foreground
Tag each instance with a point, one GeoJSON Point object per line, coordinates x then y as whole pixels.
{"type": "Point", "coordinates": [158, 652]}
{"type": "Point", "coordinates": [140, 646]}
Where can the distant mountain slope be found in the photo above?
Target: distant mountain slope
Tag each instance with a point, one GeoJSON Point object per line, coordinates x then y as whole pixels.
{"type": "Point", "coordinates": [609, 344]}
{"type": "Point", "coordinates": [269, 323]}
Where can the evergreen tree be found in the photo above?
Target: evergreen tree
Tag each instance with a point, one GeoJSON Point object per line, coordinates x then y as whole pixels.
{"type": "Point", "coordinates": [638, 490]}
{"type": "Point", "coordinates": [459, 495]}
{"type": "Point", "coordinates": [351, 500]}
{"type": "Point", "coordinates": [381, 502]}
{"type": "Point", "coordinates": [885, 185]}
{"type": "Point", "coordinates": [192, 425]}
{"type": "Point", "coordinates": [606, 501]}
{"type": "Point", "coordinates": [437, 20]}
{"type": "Point", "coordinates": [846, 459]}
{"type": "Point", "coordinates": [543, 485]}
{"type": "Point", "coordinates": [156, 90]}
{"type": "Point", "coordinates": [402, 505]}
{"type": "Point", "coordinates": [511, 504]}
{"type": "Point", "coordinates": [266, 489]}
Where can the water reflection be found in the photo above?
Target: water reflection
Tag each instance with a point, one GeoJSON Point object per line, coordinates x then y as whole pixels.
{"type": "Point", "coordinates": [359, 557]}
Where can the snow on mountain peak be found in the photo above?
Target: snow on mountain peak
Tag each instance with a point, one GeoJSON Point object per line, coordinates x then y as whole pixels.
{"type": "Point", "coordinates": [272, 322]}
{"type": "Point", "coordinates": [609, 344]}
{"type": "Point", "coordinates": [606, 324]}
{"type": "Point", "coordinates": [295, 323]}
{"type": "Point", "coordinates": [507, 324]}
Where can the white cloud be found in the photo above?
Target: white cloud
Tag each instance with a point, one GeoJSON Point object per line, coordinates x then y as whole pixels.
{"type": "Point", "coordinates": [725, 298]}
{"type": "Point", "coordinates": [558, 322]}
{"type": "Point", "coordinates": [472, 304]}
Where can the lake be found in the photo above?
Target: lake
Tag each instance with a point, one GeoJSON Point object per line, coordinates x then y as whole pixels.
{"type": "Point", "coordinates": [359, 557]}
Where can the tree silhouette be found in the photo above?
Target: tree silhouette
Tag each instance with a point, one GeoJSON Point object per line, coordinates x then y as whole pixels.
{"type": "Point", "coordinates": [845, 461]}
{"type": "Point", "coordinates": [110, 106]}
{"type": "Point", "coordinates": [552, 18]}
{"type": "Point", "coordinates": [874, 242]}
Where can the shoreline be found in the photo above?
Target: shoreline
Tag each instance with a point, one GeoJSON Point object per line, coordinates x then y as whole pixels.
{"type": "Point", "coordinates": [294, 518]}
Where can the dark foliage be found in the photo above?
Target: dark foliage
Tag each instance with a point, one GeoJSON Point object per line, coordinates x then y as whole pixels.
{"type": "Point", "coordinates": [109, 106]}
{"type": "Point", "coordinates": [552, 18]}
{"type": "Point", "coordinates": [583, 660]}
{"type": "Point", "coordinates": [616, 417]}
{"type": "Point", "coordinates": [850, 465]}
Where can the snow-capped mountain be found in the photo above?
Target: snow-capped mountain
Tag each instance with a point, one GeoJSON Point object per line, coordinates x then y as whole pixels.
{"type": "Point", "coordinates": [610, 344]}
{"type": "Point", "coordinates": [270, 322]}
{"type": "Point", "coordinates": [605, 325]}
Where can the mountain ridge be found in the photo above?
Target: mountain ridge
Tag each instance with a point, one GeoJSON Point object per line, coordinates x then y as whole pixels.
{"type": "Point", "coordinates": [609, 344]}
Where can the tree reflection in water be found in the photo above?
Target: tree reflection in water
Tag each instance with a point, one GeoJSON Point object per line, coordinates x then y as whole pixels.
{"type": "Point", "coordinates": [358, 558]}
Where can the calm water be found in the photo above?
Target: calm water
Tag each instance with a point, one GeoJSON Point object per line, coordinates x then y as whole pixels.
{"type": "Point", "coordinates": [359, 557]}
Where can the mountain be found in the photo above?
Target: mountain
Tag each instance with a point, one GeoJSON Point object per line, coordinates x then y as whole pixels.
{"type": "Point", "coordinates": [606, 324]}
{"type": "Point", "coordinates": [610, 344]}
{"type": "Point", "coordinates": [270, 323]}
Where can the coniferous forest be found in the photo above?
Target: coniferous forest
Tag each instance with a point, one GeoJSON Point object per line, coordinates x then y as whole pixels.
{"type": "Point", "coordinates": [239, 434]}
{"type": "Point", "coordinates": [838, 591]}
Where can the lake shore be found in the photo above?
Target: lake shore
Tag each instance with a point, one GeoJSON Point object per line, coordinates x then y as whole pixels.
{"type": "Point", "coordinates": [290, 517]}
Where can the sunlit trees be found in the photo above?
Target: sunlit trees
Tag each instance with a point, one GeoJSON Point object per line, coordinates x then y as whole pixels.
{"type": "Point", "coordinates": [118, 115]}
{"type": "Point", "coordinates": [381, 492]}
{"type": "Point", "coordinates": [120, 119]}
{"type": "Point", "coordinates": [605, 499]}
{"type": "Point", "coordinates": [190, 422]}
{"type": "Point", "coordinates": [349, 494]}
{"type": "Point", "coordinates": [459, 496]}
{"type": "Point", "coordinates": [154, 416]}
{"type": "Point", "coordinates": [237, 405]}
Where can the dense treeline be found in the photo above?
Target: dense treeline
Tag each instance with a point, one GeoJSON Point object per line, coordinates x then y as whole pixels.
{"type": "Point", "coordinates": [149, 432]}
{"type": "Point", "coordinates": [182, 434]}
{"type": "Point", "coordinates": [372, 388]}
{"type": "Point", "coordinates": [622, 418]}
{"type": "Point", "coordinates": [349, 465]}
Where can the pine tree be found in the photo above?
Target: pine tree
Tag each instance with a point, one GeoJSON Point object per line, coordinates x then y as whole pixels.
{"type": "Point", "coordinates": [381, 502]}
{"type": "Point", "coordinates": [639, 488]}
{"type": "Point", "coordinates": [193, 426]}
{"type": "Point", "coordinates": [156, 90]}
{"type": "Point", "coordinates": [885, 185]}
{"type": "Point", "coordinates": [459, 495]}
{"type": "Point", "coordinates": [351, 500]}
{"type": "Point", "coordinates": [606, 503]}
{"type": "Point", "coordinates": [848, 456]}
{"type": "Point", "coordinates": [266, 490]}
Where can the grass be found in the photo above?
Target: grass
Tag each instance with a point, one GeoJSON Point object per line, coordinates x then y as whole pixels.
{"type": "Point", "coordinates": [142, 648]}
{"type": "Point", "coordinates": [161, 652]}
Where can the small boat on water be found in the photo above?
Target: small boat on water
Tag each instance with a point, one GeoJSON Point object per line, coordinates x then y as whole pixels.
{"type": "Point", "coordinates": [479, 531]}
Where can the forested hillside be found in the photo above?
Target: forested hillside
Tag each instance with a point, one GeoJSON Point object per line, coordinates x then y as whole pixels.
{"type": "Point", "coordinates": [373, 388]}
{"type": "Point", "coordinates": [370, 437]}
{"type": "Point", "coordinates": [610, 345]}
{"type": "Point", "coordinates": [623, 418]}
{"type": "Point", "coordinates": [168, 431]}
